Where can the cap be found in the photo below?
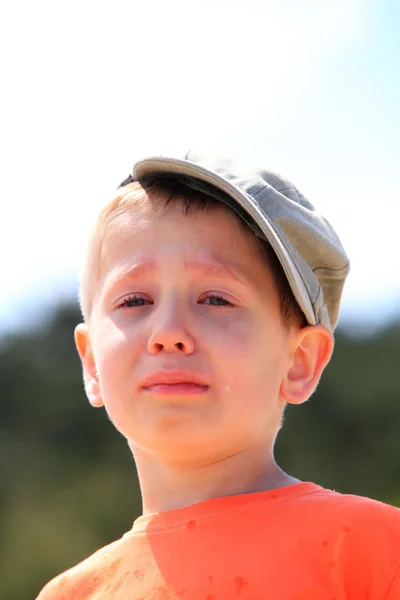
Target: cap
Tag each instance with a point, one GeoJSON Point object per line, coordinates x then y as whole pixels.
{"type": "Point", "coordinates": [306, 245]}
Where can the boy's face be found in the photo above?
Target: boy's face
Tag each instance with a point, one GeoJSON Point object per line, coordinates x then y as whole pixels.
{"type": "Point", "coordinates": [187, 293]}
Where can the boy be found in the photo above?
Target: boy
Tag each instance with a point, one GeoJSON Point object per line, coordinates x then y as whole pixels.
{"type": "Point", "coordinates": [210, 296]}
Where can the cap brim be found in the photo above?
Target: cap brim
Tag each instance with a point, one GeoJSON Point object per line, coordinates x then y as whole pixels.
{"type": "Point", "coordinates": [163, 165]}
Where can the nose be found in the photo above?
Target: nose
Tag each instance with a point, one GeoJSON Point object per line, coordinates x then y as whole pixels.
{"type": "Point", "coordinates": [170, 333]}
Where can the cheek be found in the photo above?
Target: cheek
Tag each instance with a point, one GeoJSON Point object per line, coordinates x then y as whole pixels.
{"type": "Point", "coordinates": [228, 334]}
{"type": "Point", "coordinates": [115, 356]}
{"type": "Point", "coordinates": [250, 358]}
{"type": "Point", "coordinates": [115, 361]}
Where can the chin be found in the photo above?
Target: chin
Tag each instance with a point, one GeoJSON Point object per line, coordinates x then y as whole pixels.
{"type": "Point", "coordinates": [178, 444]}
{"type": "Point", "coordinates": [176, 431]}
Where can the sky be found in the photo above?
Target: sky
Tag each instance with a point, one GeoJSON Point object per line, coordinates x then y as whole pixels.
{"type": "Point", "coordinates": [310, 89]}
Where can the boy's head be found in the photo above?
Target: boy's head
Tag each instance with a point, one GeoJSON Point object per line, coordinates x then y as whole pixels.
{"type": "Point", "coordinates": [194, 338]}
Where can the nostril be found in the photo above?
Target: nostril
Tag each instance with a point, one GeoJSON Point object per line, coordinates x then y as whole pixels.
{"type": "Point", "coordinates": [180, 346]}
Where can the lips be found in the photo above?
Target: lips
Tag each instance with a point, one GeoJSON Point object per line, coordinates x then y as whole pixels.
{"type": "Point", "coordinates": [179, 381]}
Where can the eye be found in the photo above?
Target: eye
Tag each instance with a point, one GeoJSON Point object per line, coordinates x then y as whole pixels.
{"type": "Point", "coordinates": [134, 301]}
{"type": "Point", "coordinates": [216, 300]}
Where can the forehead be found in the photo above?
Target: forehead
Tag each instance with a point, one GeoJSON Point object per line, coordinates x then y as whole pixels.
{"type": "Point", "coordinates": [209, 233]}
{"type": "Point", "coordinates": [211, 242]}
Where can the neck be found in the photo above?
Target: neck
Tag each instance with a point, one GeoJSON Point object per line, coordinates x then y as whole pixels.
{"type": "Point", "coordinates": [167, 487]}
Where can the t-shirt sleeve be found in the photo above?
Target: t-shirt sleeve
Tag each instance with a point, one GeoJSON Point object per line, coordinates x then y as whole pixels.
{"type": "Point", "coordinates": [393, 592]}
{"type": "Point", "coordinates": [370, 553]}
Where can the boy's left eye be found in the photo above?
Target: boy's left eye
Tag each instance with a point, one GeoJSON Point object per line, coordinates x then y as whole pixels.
{"type": "Point", "coordinates": [216, 300]}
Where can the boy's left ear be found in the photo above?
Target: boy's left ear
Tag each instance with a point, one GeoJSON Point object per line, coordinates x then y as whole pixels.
{"type": "Point", "coordinates": [90, 376]}
{"type": "Point", "coordinates": [313, 347]}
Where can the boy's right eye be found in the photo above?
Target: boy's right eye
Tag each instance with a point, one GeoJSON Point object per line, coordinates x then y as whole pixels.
{"type": "Point", "coordinates": [134, 301]}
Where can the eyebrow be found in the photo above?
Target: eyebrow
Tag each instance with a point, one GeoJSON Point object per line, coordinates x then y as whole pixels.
{"type": "Point", "coordinates": [145, 268]}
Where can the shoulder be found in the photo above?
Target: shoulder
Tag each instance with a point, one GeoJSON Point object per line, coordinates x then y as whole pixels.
{"type": "Point", "coordinates": [355, 539]}
{"type": "Point", "coordinates": [358, 509]}
{"type": "Point", "coordinates": [363, 535]}
{"type": "Point", "coordinates": [87, 579]}
{"type": "Point", "coordinates": [362, 516]}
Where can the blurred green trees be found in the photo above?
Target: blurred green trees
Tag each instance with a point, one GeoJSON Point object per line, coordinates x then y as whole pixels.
{"type": "Point", "coordinates": [67, 479]}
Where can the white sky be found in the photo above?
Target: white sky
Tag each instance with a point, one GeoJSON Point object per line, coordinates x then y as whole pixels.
{"type": "Point", "coordinates": [300, 87]}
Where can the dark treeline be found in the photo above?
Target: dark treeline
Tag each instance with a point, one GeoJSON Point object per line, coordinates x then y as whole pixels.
{"type": "Point", "coordinates": [68, 482]}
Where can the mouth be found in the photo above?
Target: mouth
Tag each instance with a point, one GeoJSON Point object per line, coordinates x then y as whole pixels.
{"type": "Point", "coordinates": [177, 389]}
{"type": "Point", "coordinates": [174, 383]}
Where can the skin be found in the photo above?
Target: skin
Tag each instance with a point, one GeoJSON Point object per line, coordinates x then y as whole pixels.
{"type": "Point", "coordinates": [207, 305]}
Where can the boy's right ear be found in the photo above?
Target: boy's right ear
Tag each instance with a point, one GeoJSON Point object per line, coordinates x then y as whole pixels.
{"type": "Point", "coordinates": [90, 376]}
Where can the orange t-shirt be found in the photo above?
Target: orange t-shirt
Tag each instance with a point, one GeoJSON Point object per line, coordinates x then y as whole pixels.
{"type": "Point", "coordinates": [300, 542]}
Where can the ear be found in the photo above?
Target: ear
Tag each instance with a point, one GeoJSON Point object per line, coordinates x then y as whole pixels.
{"type": "Point", "coordinates": [312, 350]}
{"type": "Point", "coordinates": [90, 376]}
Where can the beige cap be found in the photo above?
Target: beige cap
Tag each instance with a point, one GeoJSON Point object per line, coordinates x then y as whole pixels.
{"type": "Point", "coordinates": [306, 245]}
